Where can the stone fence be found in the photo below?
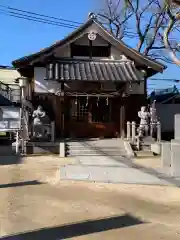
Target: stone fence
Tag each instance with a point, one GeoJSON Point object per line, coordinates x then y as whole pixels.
{"type": "Point", "coordinates": [170, 151]}
{"type": "Point", "coordinates": [132, 131]}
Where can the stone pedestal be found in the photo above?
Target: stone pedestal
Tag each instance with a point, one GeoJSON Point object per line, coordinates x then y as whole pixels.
{"type": "Point", "coordinates": [166, 154]}
{"type": "Point", "coordinates": [156, 148]}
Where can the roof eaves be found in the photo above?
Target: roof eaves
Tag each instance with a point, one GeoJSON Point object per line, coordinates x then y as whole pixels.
{"type": "Point", "coordinates": [131, 50]}
{"type": "Point", "coordinates": [147, 61]}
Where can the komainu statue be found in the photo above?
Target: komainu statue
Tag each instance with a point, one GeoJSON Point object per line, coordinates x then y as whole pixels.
{"type": "Point", "coordinates": [144, 115]}
{"type": "Point", "coordinates": [40, 122]}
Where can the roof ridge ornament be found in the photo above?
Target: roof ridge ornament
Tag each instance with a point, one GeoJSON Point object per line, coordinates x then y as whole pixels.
{"type": "Point", "coordinates": [91, 15]}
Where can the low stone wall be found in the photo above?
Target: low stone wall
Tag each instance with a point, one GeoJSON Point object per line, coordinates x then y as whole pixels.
{"type": "Point", "coordinates": [170, 156]}
{"type": "Point", "coordinates": [128, 149]}
{"type": "Point", "coordinates": [46, 148]}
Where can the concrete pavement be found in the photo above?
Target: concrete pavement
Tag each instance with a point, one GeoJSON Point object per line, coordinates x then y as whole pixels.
{"type": "Point", "coordinates": [107, 162]}
{"type": "Point", "coordinates": [110, 174]}
{"type": "Point", "coordinates": [115, 169]}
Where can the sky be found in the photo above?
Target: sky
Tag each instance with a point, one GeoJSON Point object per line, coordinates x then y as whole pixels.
{"type": "Point", "coordinates": [22, 37]}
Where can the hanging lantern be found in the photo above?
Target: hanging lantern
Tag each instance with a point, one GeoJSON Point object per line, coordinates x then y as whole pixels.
{"type": "Point", "coordinates": [76, 101]}
{"type": "Point", "coordinates": [97, 102]}
{"type": "Point", "coordinates": [87, 101]}
{"type": "Point", "coordinates": [130, 87]}
{"type": "Point", "coordinates": [107, 101]}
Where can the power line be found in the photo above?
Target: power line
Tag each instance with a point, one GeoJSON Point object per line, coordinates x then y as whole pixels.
{"type": "Point", "coordinates": [21, 16]}
{"type": "Point", "coordinates": [46, 19]}
{"type": "Point", "coordinates": [38, 14]}
{"type": "Point", "coordinates": [165, 79]}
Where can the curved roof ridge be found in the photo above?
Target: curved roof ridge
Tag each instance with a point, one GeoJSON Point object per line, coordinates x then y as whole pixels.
{"type": "Point", "coordinates": [130, 52]}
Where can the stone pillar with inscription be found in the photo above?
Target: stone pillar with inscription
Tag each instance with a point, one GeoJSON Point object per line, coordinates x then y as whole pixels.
{"type": "Point", "coordinates": [175, 148]}
{"type": "Point", "coordinates": [177, 127]}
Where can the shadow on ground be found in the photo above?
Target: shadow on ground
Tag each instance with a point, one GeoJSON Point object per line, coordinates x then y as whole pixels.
{"type": "Point", "coordinates": [8, 155]}
{"type": "Point", "coordinates": [10, 159]}
{"type": "Point", "coordinates": [78, 229]}
{"type": "Point", "coordinates": [20, 184]}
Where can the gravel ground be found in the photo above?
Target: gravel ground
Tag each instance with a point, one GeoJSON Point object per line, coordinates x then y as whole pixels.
{"type": "Point", "coordinates": [35, 205]}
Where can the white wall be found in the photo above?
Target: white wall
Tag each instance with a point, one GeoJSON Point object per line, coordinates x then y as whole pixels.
{"type": "Point", "coordinates": [8, 76]}
{"type": "Point", "coordinates": [41, 85]}
{"type": "Point", "coordinates": [165, 113]}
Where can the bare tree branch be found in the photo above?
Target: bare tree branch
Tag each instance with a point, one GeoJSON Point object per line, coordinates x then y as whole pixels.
{"type": "Point", "coordinates": [172, 21]}
{"type": "Point", "coordinates": [144, 21]}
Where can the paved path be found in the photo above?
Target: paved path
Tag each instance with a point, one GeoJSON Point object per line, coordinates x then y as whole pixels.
{"type": "Point", "coordinates": [119, 174]}
{"type": "Point", "coordinates": [117, 168]}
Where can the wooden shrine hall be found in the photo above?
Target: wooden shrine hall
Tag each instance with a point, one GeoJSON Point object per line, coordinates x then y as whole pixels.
{"type": "Point", "coordinates": [89, 83]}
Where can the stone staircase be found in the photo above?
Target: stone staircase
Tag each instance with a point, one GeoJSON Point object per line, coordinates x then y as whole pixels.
{"type": "Point", "coordinates": [95, 147]}
{"type": "Point", "coordinates": [94, 160]}
{"type": "Point", "coordinates": [145, 148]}
{"type": "Point", "coordinates": [104, 161]}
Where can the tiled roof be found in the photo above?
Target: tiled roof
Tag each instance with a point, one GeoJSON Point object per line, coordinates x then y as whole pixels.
{"type": "Point", "coordinates": [93, 71]}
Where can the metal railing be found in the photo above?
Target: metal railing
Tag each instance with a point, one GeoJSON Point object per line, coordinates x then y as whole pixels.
{"type": "Point", "coordinates": [10, 91]}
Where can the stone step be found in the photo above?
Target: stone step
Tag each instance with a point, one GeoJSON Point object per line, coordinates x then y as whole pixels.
{"type": "Point", "coordinates": [144, 153]}
{"type": "Point", "coordinates": [96, 152]}
{"type": "Point", "coordinates": [109, 147]}
{"type": "Point", "coordinates": [99, 145]}
{"type": "Point", "coordinates": [87, 152]}
{"type": "Point", "coordinates": [93, 147]}
{"type": "Point", "coordinates": [91, 154]}
{"type": "Point", "coordinates": [76, 147]}
{"type": "Point", "coordinates": [108, 174]}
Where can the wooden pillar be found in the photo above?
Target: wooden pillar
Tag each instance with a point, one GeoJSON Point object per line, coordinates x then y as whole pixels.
{"type": "Point", "coordinates": [55, 111]}
{"type": "Point", "coordinates": [122, 120]}
{"type": "Point", "coordinates": [62, 109]}
{"type": "Point", "coordinates": [62, 126]}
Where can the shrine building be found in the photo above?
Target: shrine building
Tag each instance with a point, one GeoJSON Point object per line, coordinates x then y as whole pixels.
{"type": "Point", "coordinates": [90, 83]}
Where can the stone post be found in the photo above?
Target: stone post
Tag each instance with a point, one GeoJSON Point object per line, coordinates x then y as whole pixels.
{"type": "Point", "coordinates": [128, 130]}
{"type": "Point", "coordinates": [177, 127]}
{"type": "Point", "coordinates": [166, 154]}
{"type": "Point", "coordinates": [25, 147]}
{"type": "Point", "coordinates": [17, 142]}
{"type": "Point", "coordinates": [52, 131]}
{"type": "Point", "coordinates": [158, 132]}
{"type": "Point", "coordinates": [62, 151]}
{"type": "Point", "coordinates": [152, 128]}
{"type": "Point", "coordinates": [133, 131]}
{"type": "Point", "coordinates": [175, 160]}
